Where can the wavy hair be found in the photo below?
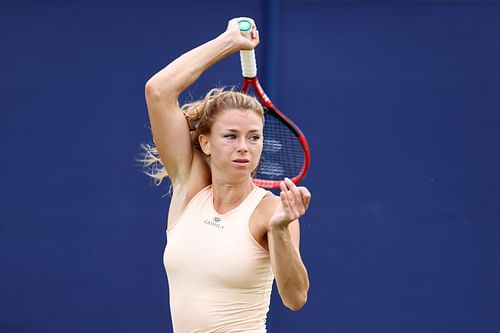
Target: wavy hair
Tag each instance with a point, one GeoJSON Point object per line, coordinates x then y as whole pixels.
{"type": "Point", "coordinates": [200, 116]}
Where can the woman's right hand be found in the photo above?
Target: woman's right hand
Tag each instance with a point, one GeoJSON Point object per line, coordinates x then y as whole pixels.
{"type": "Point", "coordinates": [242, 41]}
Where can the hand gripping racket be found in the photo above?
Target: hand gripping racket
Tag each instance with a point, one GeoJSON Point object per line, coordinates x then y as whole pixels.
{"type": "Point", "coordinates": [286, 151]}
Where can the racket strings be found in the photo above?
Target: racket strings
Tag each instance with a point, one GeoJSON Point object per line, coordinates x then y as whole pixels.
{"type": "Point", "coordinates": [282, 154]}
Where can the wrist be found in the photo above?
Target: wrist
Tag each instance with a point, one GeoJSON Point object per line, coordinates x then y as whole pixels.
{"type": "Point", "coordinates": [278, 227]}
{"type": "Point", "coordinates": [227, 43]}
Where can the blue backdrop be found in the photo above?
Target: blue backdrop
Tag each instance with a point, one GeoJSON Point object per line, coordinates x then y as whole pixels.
{"type": "Point", "coordinates": [400, 102]}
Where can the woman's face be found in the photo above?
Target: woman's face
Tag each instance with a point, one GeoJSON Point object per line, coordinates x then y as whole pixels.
{"type": "Point", "coordinates": [235, 142]}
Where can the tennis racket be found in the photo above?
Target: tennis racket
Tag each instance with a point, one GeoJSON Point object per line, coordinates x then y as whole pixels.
{"type": "Point", "coordinates": [286, 151]}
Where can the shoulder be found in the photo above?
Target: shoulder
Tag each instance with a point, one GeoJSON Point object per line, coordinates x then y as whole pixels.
{"type": "Point", "coordinates": [265, 208]}
{"type": "Point", "coordinates": [260, 218]}
{"type": "Point", "coordinates": [268, 202]}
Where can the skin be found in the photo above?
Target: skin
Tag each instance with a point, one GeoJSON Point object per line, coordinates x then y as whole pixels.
{"type": "Point", "coordinates": [234, 145]}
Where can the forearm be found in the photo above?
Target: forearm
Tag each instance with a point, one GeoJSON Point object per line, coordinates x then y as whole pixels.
{"type": "Point", "coordinates": [289, 270]}
{"type": "Point", "coordinates": [185, 70]}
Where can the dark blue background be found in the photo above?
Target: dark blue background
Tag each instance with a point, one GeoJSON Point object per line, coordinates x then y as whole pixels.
{"type": "Point", "coordinates": [399, 100]}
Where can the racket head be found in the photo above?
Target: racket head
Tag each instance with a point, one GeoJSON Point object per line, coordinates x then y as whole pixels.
{"type": "Point", "coordinates": [285, 150]}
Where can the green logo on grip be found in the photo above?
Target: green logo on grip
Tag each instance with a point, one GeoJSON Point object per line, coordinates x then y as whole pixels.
{"type": "Point", "coordinates": [245, 25]}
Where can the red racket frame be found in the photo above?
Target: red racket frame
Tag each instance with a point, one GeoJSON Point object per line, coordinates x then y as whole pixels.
{"type": "Point", "coordinates": [265, 101]}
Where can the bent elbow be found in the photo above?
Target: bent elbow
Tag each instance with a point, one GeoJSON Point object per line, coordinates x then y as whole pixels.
{"type": "Point", "coordinates": [157, 92]}
{"type": "Point", "coordinates": [151, 90]}
{"type": "Point", "coordinates": [297, 303]}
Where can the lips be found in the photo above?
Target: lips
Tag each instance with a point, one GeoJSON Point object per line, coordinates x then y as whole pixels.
{"type": "Point", "coordinates": [241, 160]}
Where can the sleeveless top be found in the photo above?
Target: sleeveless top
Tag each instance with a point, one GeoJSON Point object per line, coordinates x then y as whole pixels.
{"type": "Point", "coordinates": [219, 277]}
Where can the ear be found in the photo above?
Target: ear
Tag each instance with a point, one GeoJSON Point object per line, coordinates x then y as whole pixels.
{"type": "Point", "coordinates": [204, 144]}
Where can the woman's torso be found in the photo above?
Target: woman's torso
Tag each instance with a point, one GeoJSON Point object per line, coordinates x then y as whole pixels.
{"type": "Point", "coordinates": [220, 277]}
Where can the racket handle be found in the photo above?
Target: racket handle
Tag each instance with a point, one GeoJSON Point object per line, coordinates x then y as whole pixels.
{"type": "Point", "coordinates": [247, 57]}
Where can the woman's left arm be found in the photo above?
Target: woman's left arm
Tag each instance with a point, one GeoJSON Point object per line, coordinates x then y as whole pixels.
{"type": "Point", "coordinates": [283, 236]}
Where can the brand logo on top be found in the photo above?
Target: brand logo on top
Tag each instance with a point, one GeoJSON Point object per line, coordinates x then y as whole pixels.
{"type": "Point", "coordinates": [215, 222]}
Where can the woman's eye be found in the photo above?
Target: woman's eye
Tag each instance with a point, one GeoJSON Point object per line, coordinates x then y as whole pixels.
{"type": "Point", "coordinates": [255, 137]}
{"type": "Point", "coordinates": [230, 136]}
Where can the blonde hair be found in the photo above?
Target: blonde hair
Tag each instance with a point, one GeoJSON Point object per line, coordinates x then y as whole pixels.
{"type": "Point", "coordinates": [200, 116]}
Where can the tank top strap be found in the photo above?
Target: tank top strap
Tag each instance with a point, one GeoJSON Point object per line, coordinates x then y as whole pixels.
{"type": "Point", "coordinates": [195, 204]}
{"type": "Point", "coordinates": [200, 198]}
{"type": "Point", "coordinates": [252, 201]}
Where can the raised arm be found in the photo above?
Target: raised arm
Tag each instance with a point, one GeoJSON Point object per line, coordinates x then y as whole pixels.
{"type": "Point", "coordinates": [170, 128]}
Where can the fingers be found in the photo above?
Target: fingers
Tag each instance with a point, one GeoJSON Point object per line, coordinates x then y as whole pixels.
{"type": "Point", "coordinates": [252, 35]}
{"type": "Point", "coordinates": [306, 196]}
{"type": "Point", "coordinates": [235, 24]}
{"type": "Point", "coordinates": [255, 34]}
{"type": "Point", "coordinates": [294, 199]}
{"type": "Point", "coordinates": [285, 198]}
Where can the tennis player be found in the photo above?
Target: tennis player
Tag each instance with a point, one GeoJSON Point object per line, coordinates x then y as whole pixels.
{"type": "Point", "coordinates": [227, 239]}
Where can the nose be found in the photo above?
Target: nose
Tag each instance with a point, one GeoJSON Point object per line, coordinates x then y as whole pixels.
{"type": "Point", "coordinates": [242, 146]}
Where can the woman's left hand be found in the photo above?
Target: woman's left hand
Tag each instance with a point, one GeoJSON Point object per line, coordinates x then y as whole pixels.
{"type": "Point", "coordinates": [293, 204]}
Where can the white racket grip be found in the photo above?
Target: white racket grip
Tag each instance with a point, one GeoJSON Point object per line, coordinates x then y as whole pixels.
{"type": "Point", "coordinates": [248, 63]}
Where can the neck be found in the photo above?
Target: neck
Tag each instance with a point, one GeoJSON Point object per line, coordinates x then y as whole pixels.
{"type": "Point", "coordinates": [228, 196]}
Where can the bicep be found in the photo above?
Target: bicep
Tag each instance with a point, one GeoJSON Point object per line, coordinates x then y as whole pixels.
{"type": "Point", "coordinates": [170, 135]}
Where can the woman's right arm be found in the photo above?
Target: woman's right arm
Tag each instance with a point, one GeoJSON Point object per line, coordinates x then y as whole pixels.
{"type": "Point", "coordinates": [170, 128]}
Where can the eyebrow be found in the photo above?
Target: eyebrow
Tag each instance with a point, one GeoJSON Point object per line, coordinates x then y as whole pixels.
{"type": "Point", "coordinates": [237, 131]}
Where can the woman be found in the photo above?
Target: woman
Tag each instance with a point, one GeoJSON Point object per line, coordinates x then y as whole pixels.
{"type": "Point", "coordinates": [227, 239]}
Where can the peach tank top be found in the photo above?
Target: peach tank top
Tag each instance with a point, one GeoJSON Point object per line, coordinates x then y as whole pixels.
{"type": "Point", "coordinates": [219, 277]}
